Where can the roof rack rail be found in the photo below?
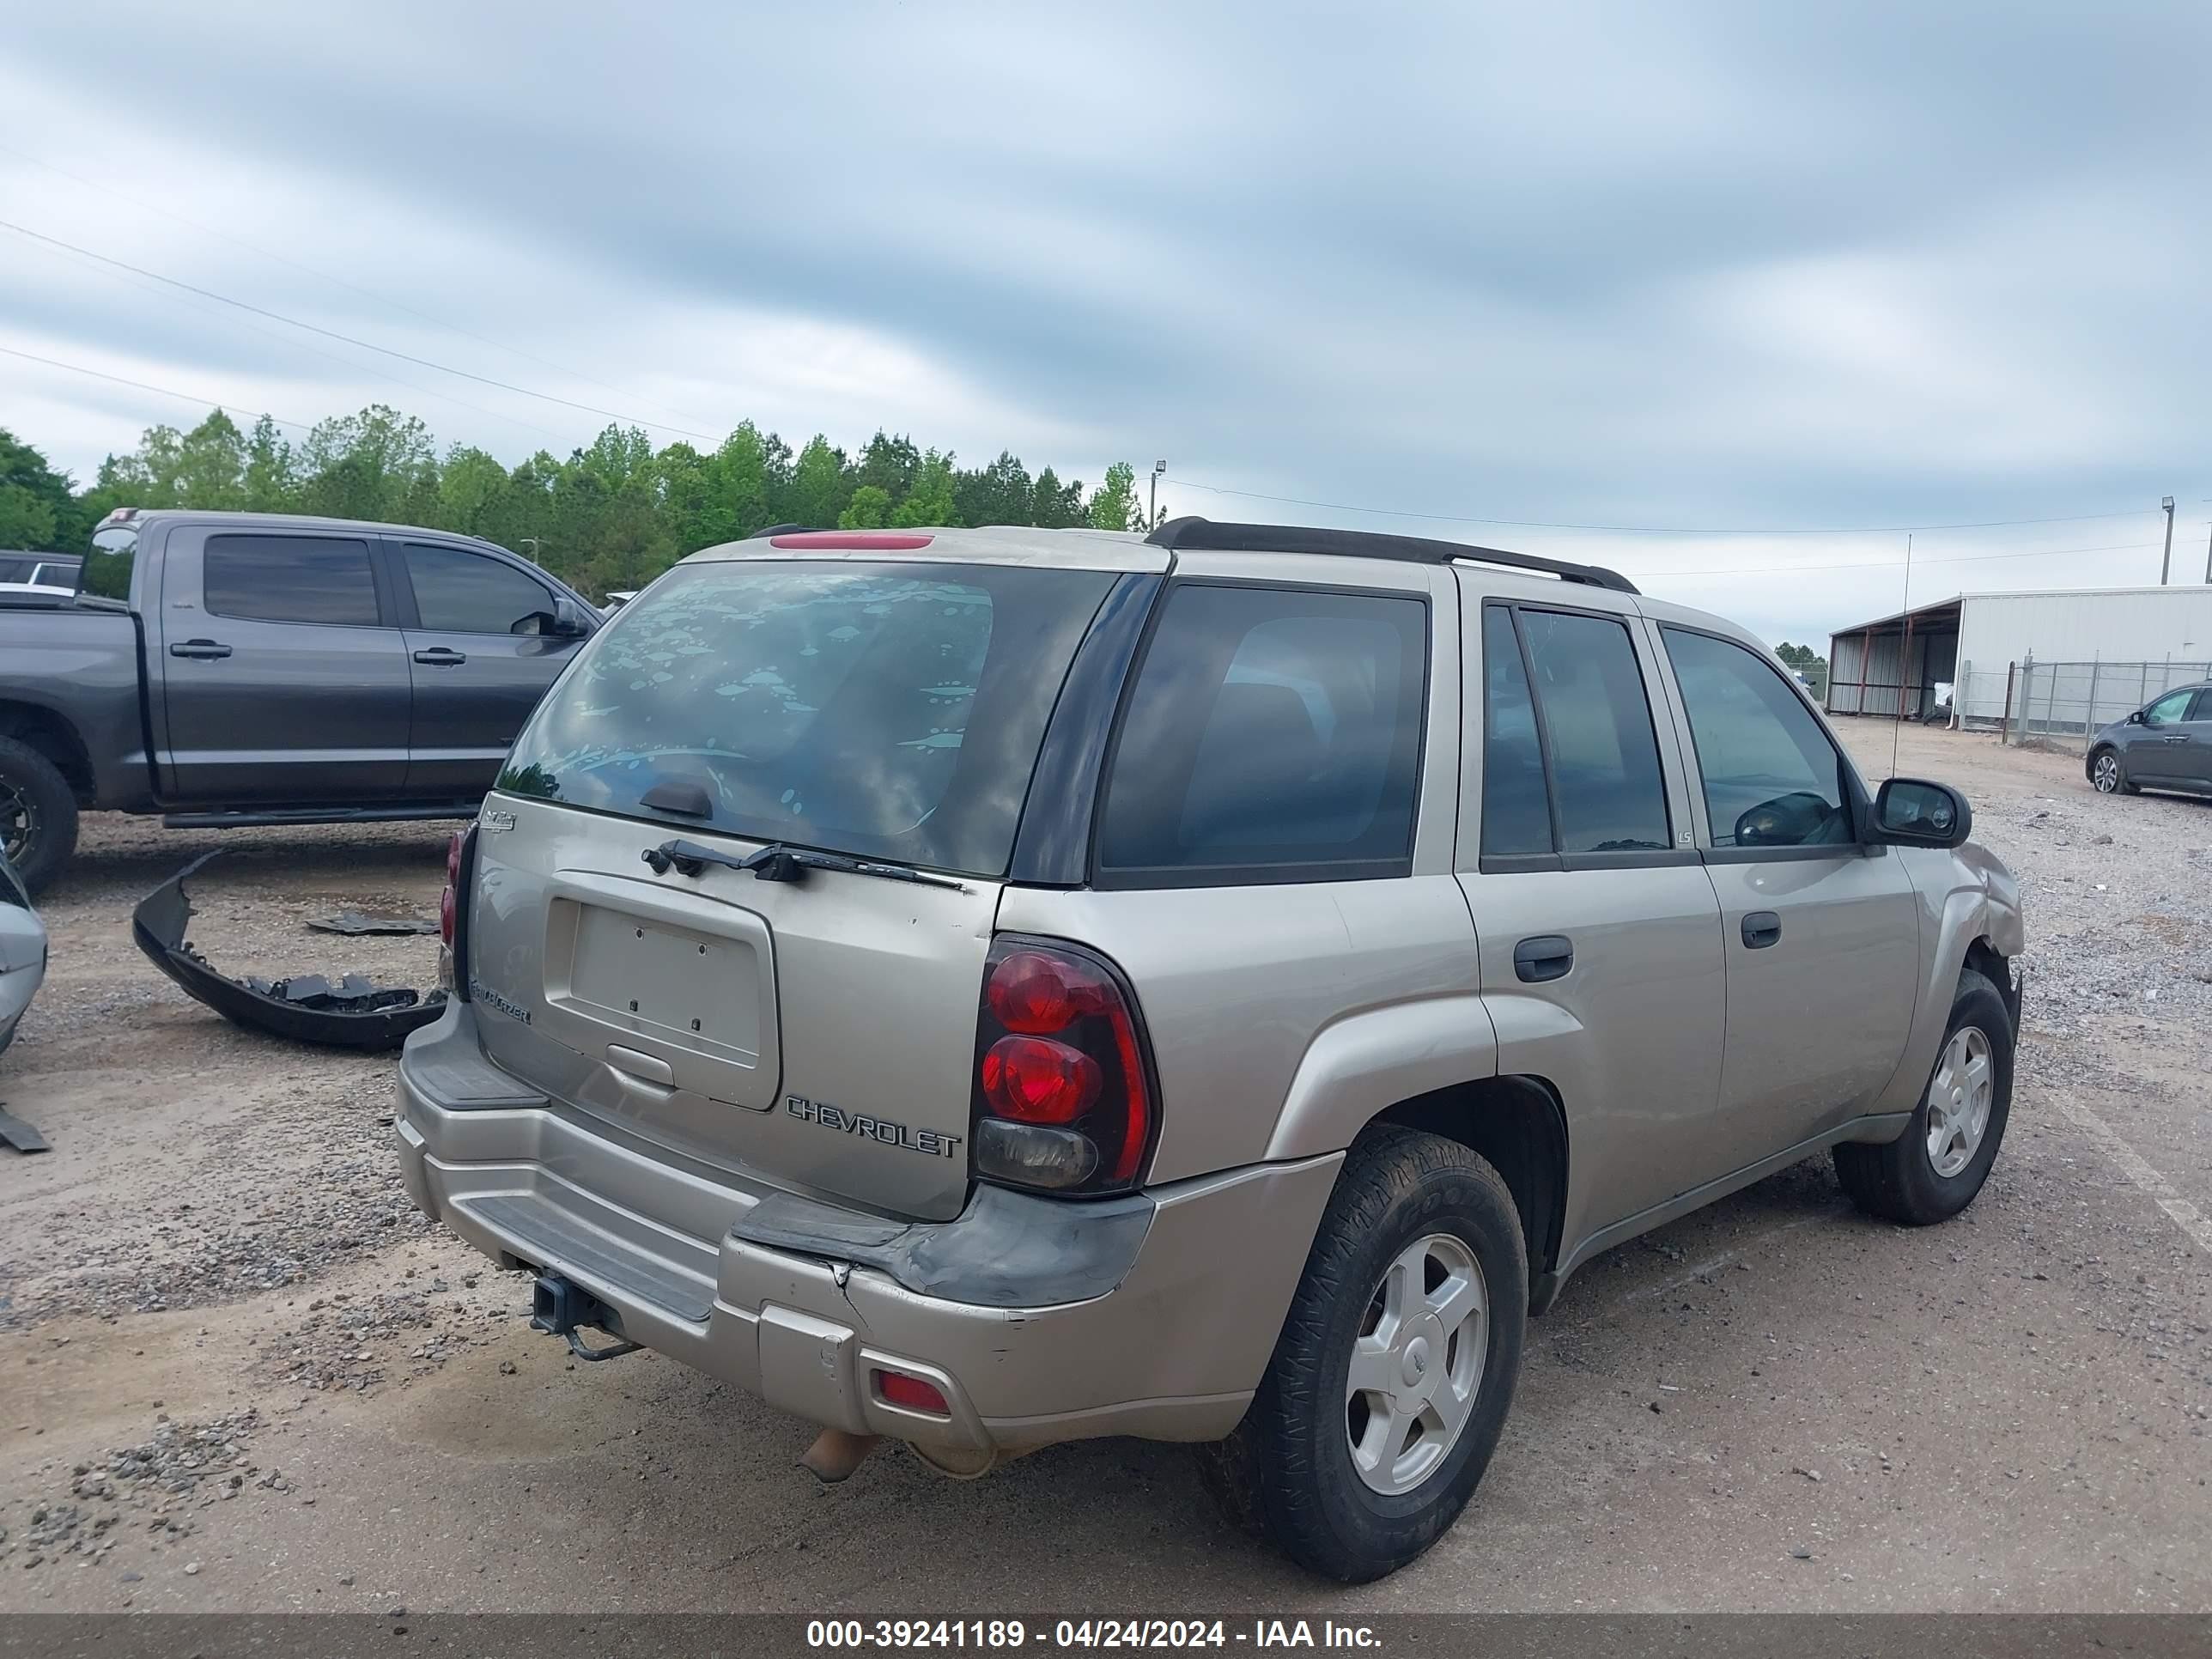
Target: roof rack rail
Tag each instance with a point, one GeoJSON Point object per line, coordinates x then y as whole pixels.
{"type": "Point", "coordinates": [1195, 532]}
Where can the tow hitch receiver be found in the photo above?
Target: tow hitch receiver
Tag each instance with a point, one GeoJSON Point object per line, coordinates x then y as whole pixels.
{"type": "Point", "coordinates": [558, 1307]}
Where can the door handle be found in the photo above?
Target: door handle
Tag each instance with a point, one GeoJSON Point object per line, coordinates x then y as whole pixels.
{"type": "Point", "coordinates": [440, 656]}
{"type": "Point", "coordinates": [1760, 929]}
{"type": "Point", "coordinates": [2182, 737]}
{"type": "Point", "coordinates": [1546, 956]}
{"type": "Point", "coordinates": [201, 650]}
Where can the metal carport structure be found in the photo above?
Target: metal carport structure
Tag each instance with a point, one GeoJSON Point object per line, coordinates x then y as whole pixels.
{"type": "Point", "coordinates": [1891, 666]}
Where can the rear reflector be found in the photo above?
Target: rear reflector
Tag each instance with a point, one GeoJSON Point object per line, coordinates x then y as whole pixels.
{"type": "Point", "coordinates": [852, 541]}
{"type": "Point", "coordinates": [897, 1389]}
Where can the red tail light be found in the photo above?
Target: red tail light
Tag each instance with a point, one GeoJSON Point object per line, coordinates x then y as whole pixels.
{"type": "Point", "coordinates": [1039, 1080]}
{"type": "Point", "coordinates": [1063, 1092]}
{"type": "Point", "coordinates": [451, 897]}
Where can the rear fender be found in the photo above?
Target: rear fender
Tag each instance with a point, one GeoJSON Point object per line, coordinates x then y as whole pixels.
{"type": "Point", "coordinates": [1361, 1065]}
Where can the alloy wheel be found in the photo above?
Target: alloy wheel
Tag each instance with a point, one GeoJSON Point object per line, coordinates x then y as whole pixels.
{"type": "Point", "coordinates": [1417, 1363]}
{"type": "Point", "coordinates": [1958, 1100]}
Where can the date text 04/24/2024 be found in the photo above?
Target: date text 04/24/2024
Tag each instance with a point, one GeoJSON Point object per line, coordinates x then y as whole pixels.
{"type": "Point", "coordinates": [1124, 1633]}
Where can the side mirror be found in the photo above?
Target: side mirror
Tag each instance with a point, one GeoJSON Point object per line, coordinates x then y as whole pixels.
{"type": "Point", "coordinates": [570, 622]}
{"type": "Point", "coordinates": [2139, 718]}
{"type": "Point", "coordinates": [1791, 820]}
{"type": "Point", "coordinates": [1911, 812]}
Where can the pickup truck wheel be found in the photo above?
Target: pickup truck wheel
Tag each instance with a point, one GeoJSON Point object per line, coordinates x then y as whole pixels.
{"type": "Point", "coordinates": [37, 814]}
{"type": "Point", "coordinates": [1391, 1380]}
{"type": "Point", "coordinates": [1932, 1171]}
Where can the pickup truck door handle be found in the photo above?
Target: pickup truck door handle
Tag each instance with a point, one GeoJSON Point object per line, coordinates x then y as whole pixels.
{"type": "Point", "coordinates": [1760, 929]}
{"type": "Point", "coordinates": [440, 656]}
{"type": "Point", "coordinates": [1546, 956]}
{"type": "Point", "coordinates": [204, 650]}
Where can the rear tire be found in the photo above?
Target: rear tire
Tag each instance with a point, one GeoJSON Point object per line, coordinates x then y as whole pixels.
{"type": "Point", "coordinates": [37, 814]}
{"type": "Point", "coordinates": [1934, 1170]}
{"type": "Point", "coordinates": [1406, 1206]}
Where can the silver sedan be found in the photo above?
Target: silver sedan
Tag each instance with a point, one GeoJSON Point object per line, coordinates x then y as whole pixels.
{"type": "Point", "coordinates": [22, 952]}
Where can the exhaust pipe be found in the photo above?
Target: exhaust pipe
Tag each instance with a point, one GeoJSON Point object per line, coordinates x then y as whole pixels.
{"type": "Point", "coordinates": [836, 1453]}
{"type": "Point", "coordinates": [961, 1463]}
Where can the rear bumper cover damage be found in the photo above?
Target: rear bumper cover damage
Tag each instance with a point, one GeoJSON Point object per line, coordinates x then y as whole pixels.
{"type": "Point", "coordinates": [306, 1008]}
{"type": "Point", "coordinates": [1039, 1320]}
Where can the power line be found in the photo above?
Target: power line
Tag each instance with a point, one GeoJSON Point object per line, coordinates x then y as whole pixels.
{"type": "Point", "coordinates": [123, 275]}
{"type": "Point", "coordinates": [1644, 529]}
{"type": "Point", "coordinates": [159, 390]}
{"type": "Point", "coordinates": [348, 339]}
{"type": "Point", "coordinates": [328, 277]}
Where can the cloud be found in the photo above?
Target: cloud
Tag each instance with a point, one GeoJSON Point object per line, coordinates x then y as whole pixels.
{"type": "Point", "coordinates": [1720, 266]}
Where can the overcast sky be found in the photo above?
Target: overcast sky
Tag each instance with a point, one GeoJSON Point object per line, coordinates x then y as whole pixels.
{"type": "Point", "coordinates": [1764, 267]}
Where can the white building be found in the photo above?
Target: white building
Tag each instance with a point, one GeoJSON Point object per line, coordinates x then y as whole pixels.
{"type": "Point", "coordinates": [2131, 643]}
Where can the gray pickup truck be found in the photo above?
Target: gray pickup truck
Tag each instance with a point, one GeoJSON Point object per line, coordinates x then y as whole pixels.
{"type": "Point", "coordinates": [238, 668]}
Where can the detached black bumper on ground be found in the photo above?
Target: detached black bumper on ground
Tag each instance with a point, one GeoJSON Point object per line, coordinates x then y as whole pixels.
{"type": "Point", "coordinates": [353, 1013]}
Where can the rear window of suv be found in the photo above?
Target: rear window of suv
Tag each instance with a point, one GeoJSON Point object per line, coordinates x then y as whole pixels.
{"type": "Point", "coordinates": [1273, 734]}
{"type": "Point", "coordinates": [885, 710]}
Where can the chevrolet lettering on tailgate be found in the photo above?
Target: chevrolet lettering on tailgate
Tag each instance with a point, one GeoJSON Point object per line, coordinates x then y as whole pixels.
{"type": "Point", "coordinates": [927, 1142]}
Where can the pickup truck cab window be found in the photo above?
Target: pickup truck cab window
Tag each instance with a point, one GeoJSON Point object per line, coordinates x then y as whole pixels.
{"type": "Point", "coordinates": [295, 579]}
{"type": "Point", "coordinates": [457, 592]}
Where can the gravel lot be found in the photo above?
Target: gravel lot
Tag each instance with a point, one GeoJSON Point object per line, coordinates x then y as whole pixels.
{"type": "Point", "coordinates": [243, 1374]}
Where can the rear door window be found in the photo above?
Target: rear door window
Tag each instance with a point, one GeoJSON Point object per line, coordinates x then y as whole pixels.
{"type": "Point", "coordinates": [457, 592]}
{"type": "Point", "coordinates": [1597, 725]}
{"type": "Point", "coordinates": [1272, 735]}
{"type": "Point", "coordinates": [1570, 757]}
{"type": "Point", "coordinates": [886, 710]}
{"type": "Point", "coordinates": [297, 579]}
{"type": "Point", "coordinates": [1516, 809]}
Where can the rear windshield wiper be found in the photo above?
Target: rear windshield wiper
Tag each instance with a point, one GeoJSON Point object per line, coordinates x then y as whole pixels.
{"type": "Point", "coordinates": [777, 862]}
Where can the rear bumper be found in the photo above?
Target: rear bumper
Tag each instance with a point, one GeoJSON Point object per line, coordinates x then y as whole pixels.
{"type": "Point", "coordinates": [1039, 1320]}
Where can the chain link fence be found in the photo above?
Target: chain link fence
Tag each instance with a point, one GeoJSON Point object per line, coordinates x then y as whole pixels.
{"type": "Point", "coordinates": [2064, 703]}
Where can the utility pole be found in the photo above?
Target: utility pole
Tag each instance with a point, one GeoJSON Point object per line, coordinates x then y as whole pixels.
{"type": "Point", "coordinates": [2165, 564]}
{"type": "Point", "coordinates": [1152, 512]}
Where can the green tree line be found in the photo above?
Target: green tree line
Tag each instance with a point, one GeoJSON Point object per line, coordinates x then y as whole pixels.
{"type": "Point", "coordinates": [1809, 663]}
{"type": "Point", "coordinates": [613, 516]}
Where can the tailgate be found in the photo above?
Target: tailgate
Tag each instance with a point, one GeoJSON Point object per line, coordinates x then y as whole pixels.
{"type": "Point", "coordinates": [816, 1034]}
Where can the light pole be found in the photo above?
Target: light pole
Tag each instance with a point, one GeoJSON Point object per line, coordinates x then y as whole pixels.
{"type": "Point", "coordinates": [2167, 563]}
{"type": "Point", "coordinates": [1152, 511]}
{"type": "Point", "coordinates": [534, 545]}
